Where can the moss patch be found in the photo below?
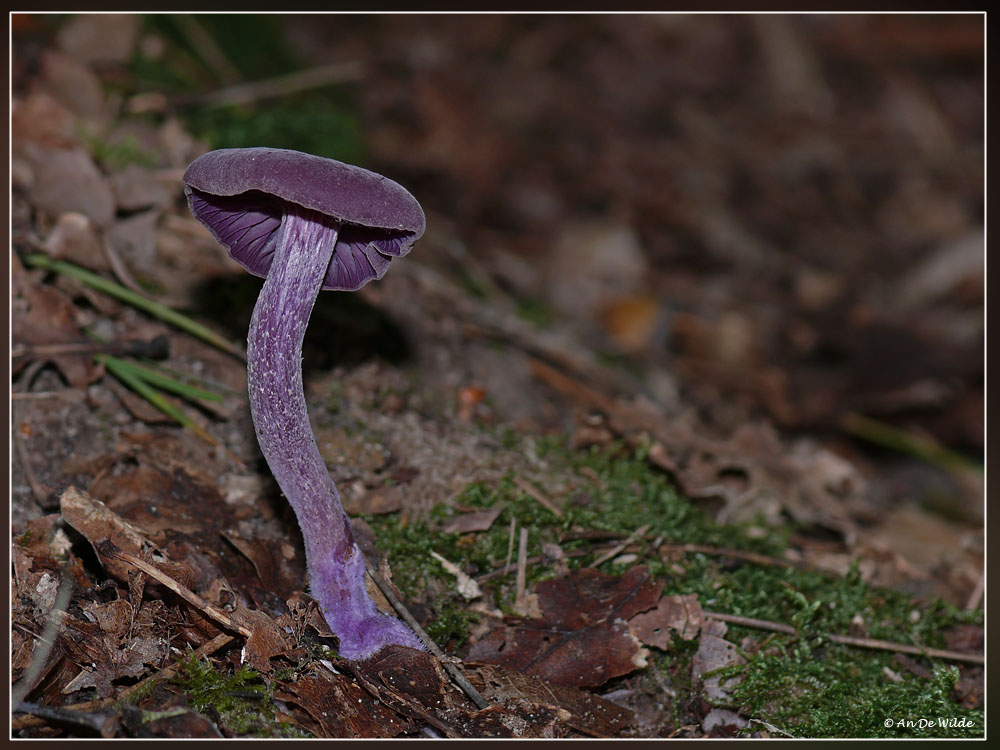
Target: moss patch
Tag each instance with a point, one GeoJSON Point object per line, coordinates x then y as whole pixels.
{"type": "Point", "coordinates": [240, 702]}
{"type": "Point", "coordinates": [806, 685]}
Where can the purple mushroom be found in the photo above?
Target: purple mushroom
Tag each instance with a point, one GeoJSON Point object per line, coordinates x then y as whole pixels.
{"type": "Point", "coordinates": [306, 223]}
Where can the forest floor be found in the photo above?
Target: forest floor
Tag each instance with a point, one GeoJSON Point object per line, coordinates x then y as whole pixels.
{"type": "Point", "coordinates": [670, 426]}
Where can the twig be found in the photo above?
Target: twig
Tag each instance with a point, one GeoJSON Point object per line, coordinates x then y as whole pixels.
{"type": "Point", "coordinates": [46, 641]}
{"type": "Point", "coordinates": [449, 664]}
{"type": "Point", "coordinates": [120, 270]}
{"type": "Point", "coordinates": [185, 593]}
{"type": "Point", "coordinates": [847, 640]}
{"type": "Point", "coordinates": [156, 348]}
{"type": "Point", "coordinates": [302, 80]}
{"type": "Point", "coordinates": [207, 49]}
{"type": "Point", "coordinates": [976, 597]}
{"type": "Point", "coordinates": [100, 723]}
{"type": "Point", "coordinates": [496, 573]}
{"type": "Point", "coordinates": [510, 546]}
{"type": "Point", "coordinates": [637, 534]}
{"type": "Point", "coordinates": [206, 649]}
{"type": "Point", "coordinates": [30, 372]}
{"type": "Point", "coordinates": [522, 566]}
{"type": "Point", "coordinates": [492, 321]}
{"type": "Point", "coordinates": [752, 622]}
{"type": "Point", "coordinates": [528, 488]}
{"type": "Point", "coordinates": [67, 394]}
{"type": "Point", "coordinates": [754, 557]}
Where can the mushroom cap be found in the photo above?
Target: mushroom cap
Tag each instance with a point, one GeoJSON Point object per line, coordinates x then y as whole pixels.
{"type": "Point", "coordinates": [239, 194]}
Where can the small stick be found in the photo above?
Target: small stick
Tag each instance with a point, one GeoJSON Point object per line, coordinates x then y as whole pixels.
{"type": "Point", "coordinates": [120, 270]}
{"type": "Point", "coordinates": [522, 565]}
{"type": "Point", "coordinates": [530, 489]}
{"type": "Point", "coordinates": [530, 561]}
{"type": "Point", "coordinates": [448, 663]}
{"type": "Point", "coordinates": [46, 641]}
{"type": "Point", "coordinates": [976, 596]}
{"type": "Point", "coordinates": [753, 557]}
{"type": "Point", "coordinates": [510, 546]}
{"type": "Point", "coordinates": [185, 593]}
{"type": "Point", "coordinates": [302, 80]}
{"type": "Point", "coordinates": [207, 48]}
{"type": "Point", "coordinates": [637, 534]}
{"type": "Point", "coordinates": [156, 348]}
{"type": "Point", "coordinates": [104, 725]}
{"type": "Point", "coordinates": [847, 640]}
{"type": "Point", "coordinates": [206, 649]}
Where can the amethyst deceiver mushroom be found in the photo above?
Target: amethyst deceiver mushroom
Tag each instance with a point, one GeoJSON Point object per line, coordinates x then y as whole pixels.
{"type": "Point", "coordinates": [306, 223]}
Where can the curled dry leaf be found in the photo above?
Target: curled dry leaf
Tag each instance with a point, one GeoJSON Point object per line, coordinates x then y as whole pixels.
{"type": "Point", "coordinates": [98, 523]}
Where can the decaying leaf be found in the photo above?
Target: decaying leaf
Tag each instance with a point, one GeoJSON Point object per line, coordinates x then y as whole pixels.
{"type": "Point", "coordinates": [677, 614]}
{"type": "Point", "coordinates": [42, 316]}
{"type": "Point", "coordinates": [340, 707]}
{"type": "Point", "coordinates": [588, 713]}
{"type": "Point", "coordinates": [522, 705]}
{"type": "Point", "coordinates": [97, 523]}
{"type": "Point", "coordinates": [466, 585]}
{"type": "Point", "coordinates": [479, 520]}
{"type": "Point", "coordinates": [715, 652]}
{"type": "Point", "coordinates": [583, 639]}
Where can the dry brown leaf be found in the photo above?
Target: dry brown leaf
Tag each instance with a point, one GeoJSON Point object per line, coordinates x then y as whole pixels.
{"type": "Point", "coordinates": [583, 639]}
{"type": "Point", "coordinates": [479, 520]}
{"type": "Point", "coordinates": [43, 315]}
{"type": "Point", "coordinates": [67, 180]}
{"type": "Point", "coordinates": [680, 614]}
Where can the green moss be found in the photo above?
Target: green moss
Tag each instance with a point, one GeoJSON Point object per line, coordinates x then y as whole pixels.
{"type": "Point", "coordinates": [450, 626]}
{"type": "Point", "coordinates": [839, 692]}
{"type": "Point", "coordinates": [241, 701]}
{"type": "Point", "coordinates": [805, 685]}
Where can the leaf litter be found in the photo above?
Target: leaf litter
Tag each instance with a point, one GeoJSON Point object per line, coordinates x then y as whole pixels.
{"type": "Point", "coordinates": [172, 546]}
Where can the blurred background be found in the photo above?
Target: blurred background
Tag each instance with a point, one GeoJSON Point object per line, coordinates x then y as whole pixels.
{"type": "Point", "coordinates": [744, 218]}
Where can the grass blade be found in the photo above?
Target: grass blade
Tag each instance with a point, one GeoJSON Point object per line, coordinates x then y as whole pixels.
{"type": "Point", "coordinates": [156, 309]}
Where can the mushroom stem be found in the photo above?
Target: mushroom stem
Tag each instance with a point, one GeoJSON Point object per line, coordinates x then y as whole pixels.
{"type": "Point", "coordinates": [278, 406]}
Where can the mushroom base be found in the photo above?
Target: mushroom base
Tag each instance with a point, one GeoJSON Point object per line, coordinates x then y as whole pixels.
{"type": "Point", "coordinates": [350, 612]}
